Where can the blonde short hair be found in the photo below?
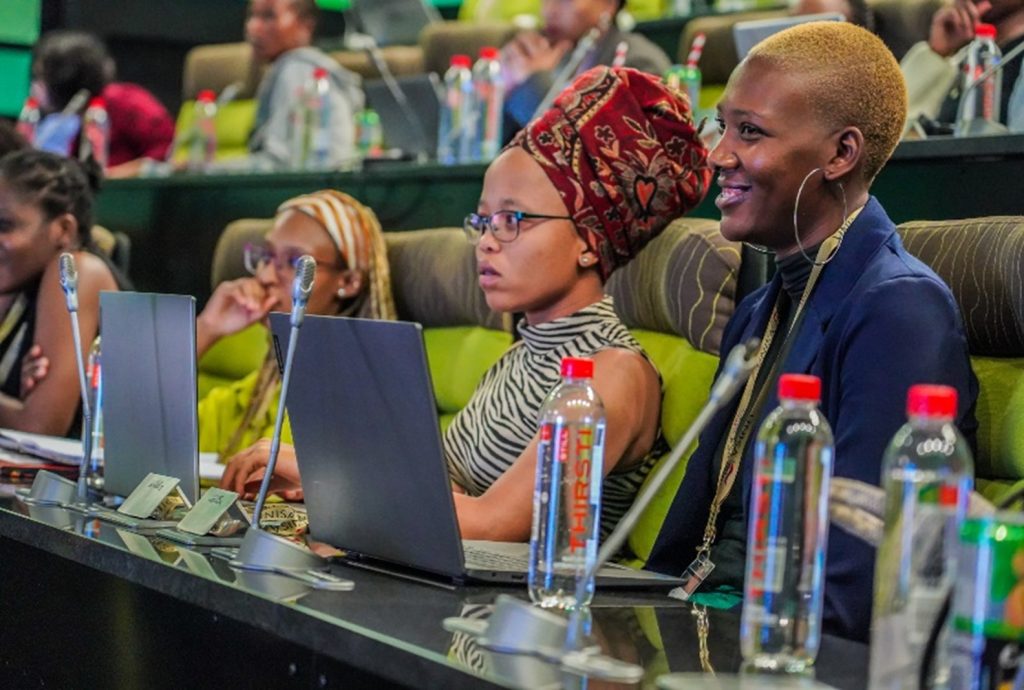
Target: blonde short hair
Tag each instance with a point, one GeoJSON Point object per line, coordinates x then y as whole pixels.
{"type": "Point", "coordinates": [851, 79]}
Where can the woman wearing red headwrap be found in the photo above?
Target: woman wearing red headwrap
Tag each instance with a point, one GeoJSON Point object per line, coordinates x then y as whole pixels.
{"type": "Point", "coordinates": [576, 195]}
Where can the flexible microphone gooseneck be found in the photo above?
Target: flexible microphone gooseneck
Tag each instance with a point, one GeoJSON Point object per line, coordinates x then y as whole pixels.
{"type": "Point", "coordinates": [735, 372]}
{"type": "Point", "coordinates": [305, 272]}
{"type": "Point", "coordinates": [69, 283]}
{"type": "Point", "coordinates": [369, 44]}
{"type": "Point", "coordinates": [583, 48]}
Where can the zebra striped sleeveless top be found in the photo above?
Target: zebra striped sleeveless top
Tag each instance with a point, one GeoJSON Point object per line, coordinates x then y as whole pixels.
{"type": "Point", "coordinates": [502, 416]}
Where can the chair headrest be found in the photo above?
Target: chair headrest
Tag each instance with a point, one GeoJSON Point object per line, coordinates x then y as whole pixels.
{"type": "Point", "coordinates": [981, 261]}
{"type": "Point", "coordinates": [218, 65]}
{"type": "Point", "coordinates": [683, 282]}
{"type": "Point", "coordinates": [434, 279]}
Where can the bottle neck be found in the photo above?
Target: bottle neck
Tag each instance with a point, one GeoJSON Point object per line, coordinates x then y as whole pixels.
{"type": "Point", "coordinates": [798, 404]}
{"type": "Point", "coordinates": [929, 421]}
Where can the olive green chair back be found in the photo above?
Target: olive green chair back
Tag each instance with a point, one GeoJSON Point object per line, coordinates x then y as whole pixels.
{"type": "Point", "coordinates": [676, 297]}
{"type": "Point", "coordinates": [982, 261]}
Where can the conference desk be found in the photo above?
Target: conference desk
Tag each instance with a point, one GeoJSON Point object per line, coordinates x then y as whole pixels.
{"type": "Point", "coordinates": [174, 222]}
{"type": "Point", "coordinates": [85, 605]}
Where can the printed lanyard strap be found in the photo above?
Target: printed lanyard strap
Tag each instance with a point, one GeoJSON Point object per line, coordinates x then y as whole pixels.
{"type": "Point", "coordinates": [743, 421]}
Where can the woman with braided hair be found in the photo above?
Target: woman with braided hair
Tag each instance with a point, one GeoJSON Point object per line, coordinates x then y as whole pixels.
{"type": "Point", "coordinates": [353, 279]}
{"type": "Point", "coordinates": [45, 209]}
{"type": "Point", "coordinates": [576, 195]}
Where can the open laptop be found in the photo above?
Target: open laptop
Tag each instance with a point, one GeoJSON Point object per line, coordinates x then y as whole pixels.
{"type": "Point", "coordinates": [394, 22]}
{"type": "Point", "coordinates": [749, 34]}
{"type": "Point", "coordinates": [411, 129]}
{"type": "Point", "coordinates": [364, 422]}
{"type": "Point", "coordinates": [149, 390]}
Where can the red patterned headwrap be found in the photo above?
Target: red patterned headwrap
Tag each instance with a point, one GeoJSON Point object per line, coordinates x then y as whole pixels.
{"type": "Point", "coordinates": [622, 150]}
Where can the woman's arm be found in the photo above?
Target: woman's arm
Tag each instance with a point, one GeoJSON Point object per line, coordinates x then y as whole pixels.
{"type": "Point", "coordinates": [629, 388]}
{"type": "Point", "coordinates": [234, 305]}
{"type": "Point", "coordinates": [50, 407]}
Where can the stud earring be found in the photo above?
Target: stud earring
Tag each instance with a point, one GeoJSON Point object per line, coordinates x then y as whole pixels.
{"type": "Point", "coordinates": [342, 293]}
{"type": "Point", "coordinates": [585, 261]}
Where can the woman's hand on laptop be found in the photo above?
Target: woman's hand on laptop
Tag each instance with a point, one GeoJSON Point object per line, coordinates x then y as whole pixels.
{"type": "Point", "coordinates": [234, 305]}
{"type": "Point", "coordinates": [246, 469]}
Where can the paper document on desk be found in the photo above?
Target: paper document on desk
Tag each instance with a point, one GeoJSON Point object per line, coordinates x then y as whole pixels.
{"type": "Point", "coordinates": [63, 451]}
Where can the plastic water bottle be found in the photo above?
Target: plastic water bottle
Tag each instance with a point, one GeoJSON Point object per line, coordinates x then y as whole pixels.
{"type": "Point", "coordinates": [983, 101]}
{"type": "Point", "coordinates": [203, 144]}
{"type": "Point", "coordinates": [927, 476]}
{"type": "Point", "coordinates": [96, 133]}
{"type": "Point", "coordinates": [567, 493]}
{"type": "Point", "coordinates": [489, 90]}
{"type": "Point", "coordinates": [319, 104]}
{"type": "Point", "coordinates": [94, 472]}
{"type": "Point", "coordinates": [780, 630]}
{"type": "Point", "coordinates": [28, 120]}
{"type": "Point", "coordinates": [311, 124]}
{"type": "Point", "coordinates": [455, 131]}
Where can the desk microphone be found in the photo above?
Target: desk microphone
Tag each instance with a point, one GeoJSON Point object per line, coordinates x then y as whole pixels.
{"type": "Point", "coordinates": [368, 43]}
{"type": "Point", "coordinates": [532, 631]}
{"type": "Point", "coordinates": [69, 283]}
{"type": "Point", "coordinates": [305, 271]}
{"type": "Point", "coordinates": [984, 126]}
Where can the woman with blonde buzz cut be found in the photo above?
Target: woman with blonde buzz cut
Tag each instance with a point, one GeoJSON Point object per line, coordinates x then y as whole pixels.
{"type": "Point", "coordinates": [808, 119]}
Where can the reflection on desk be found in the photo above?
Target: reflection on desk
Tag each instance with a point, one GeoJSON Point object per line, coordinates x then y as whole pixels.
{"type": "Point", "coordinates": [187, 616]}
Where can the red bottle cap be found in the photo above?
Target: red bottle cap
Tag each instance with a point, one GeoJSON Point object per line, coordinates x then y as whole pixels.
{"type": "Point", "coordinates": [319, 73]}
{"type": "Point", "coordinates": [206, 96]}
{"type": "Point", "coordinates": [461, 61]}
{"type": "Point", "coordinates": [985, 30]}
{"type": "Point", "coordinates": [925, 400]}
{"type": "Point", "coordinates": [799, 387]}
{"type": "Point", "coordinates": [31, 102]}
{"type": "Point", "coordinates": [577, 368]}
{"type": "Point", "coordinates": [489, 53]}
{"type": "Point", "coordinates": [97, 102]}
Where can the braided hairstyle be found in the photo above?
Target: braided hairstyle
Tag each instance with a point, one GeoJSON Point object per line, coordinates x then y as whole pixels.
{"type": "Point", "coordinates": [57, 185]}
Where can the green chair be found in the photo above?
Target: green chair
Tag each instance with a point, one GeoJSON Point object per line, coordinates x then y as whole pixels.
{"type": "Point", "coordinates": [676, 297]}
{"type": "Point", "coordinates": [434, 282]}
{"type": "Point", "coordinates": [214, 67]}
{"type": "Point", "coordinates": [982, 261]}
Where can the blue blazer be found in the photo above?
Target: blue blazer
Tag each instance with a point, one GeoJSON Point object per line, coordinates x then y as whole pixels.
{"type": "Point", "coordinates": [877, 322]}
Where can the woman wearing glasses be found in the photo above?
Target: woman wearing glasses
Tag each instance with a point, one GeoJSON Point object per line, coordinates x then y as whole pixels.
{"type": "Point", "coordinates": [352, 280]}
{"type": "Point", "coordinates": [576, 195]}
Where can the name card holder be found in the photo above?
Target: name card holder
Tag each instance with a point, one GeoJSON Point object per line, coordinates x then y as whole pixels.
{"type": "Point", "coordinates": [140, 510]}
{"type": "Point", "coordinates": [215, 520]}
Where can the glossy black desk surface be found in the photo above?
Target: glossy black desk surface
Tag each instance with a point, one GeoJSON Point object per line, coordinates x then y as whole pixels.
{"type": "Point", "coordinates": [84, 605]}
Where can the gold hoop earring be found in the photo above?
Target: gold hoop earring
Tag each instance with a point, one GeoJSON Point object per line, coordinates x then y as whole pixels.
{"type": "Point", "coordinates": [796, 230]}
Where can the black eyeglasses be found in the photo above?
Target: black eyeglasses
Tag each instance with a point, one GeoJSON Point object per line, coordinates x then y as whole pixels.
{"type": "Point", "coordinates": [504, 225]}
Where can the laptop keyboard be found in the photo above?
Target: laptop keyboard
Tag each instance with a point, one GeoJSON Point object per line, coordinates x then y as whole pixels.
{"type": "Point", "coordinates": [483, 559]}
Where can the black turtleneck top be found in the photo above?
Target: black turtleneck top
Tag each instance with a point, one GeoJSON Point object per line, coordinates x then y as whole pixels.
{"type": "Point", "coordinates": [729, 552]}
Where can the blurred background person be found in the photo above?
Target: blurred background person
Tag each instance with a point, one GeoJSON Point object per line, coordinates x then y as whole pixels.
{"type": "Point", "coordinates": [532, 60]}
{"type": "Point", "coordinates": [932, 67]}
{"type": "Point", "coordinates": [281, 35]}
{"type": "Point", "coordinates": [65, 62]}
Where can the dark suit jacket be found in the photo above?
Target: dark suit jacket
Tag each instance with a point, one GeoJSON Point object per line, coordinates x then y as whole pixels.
{"type": "Point", "coordinates": [878, 322]}
{"type": "Point", "coordinates": [643, 55]}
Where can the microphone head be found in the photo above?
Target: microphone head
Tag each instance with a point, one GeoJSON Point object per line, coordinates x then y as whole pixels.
{"type": "Point", "coordinates": [305, 272]}
{"type": "Point", "coordinates": [68, 272]}
{"type": "Point", "coordinates": [69, 280]}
